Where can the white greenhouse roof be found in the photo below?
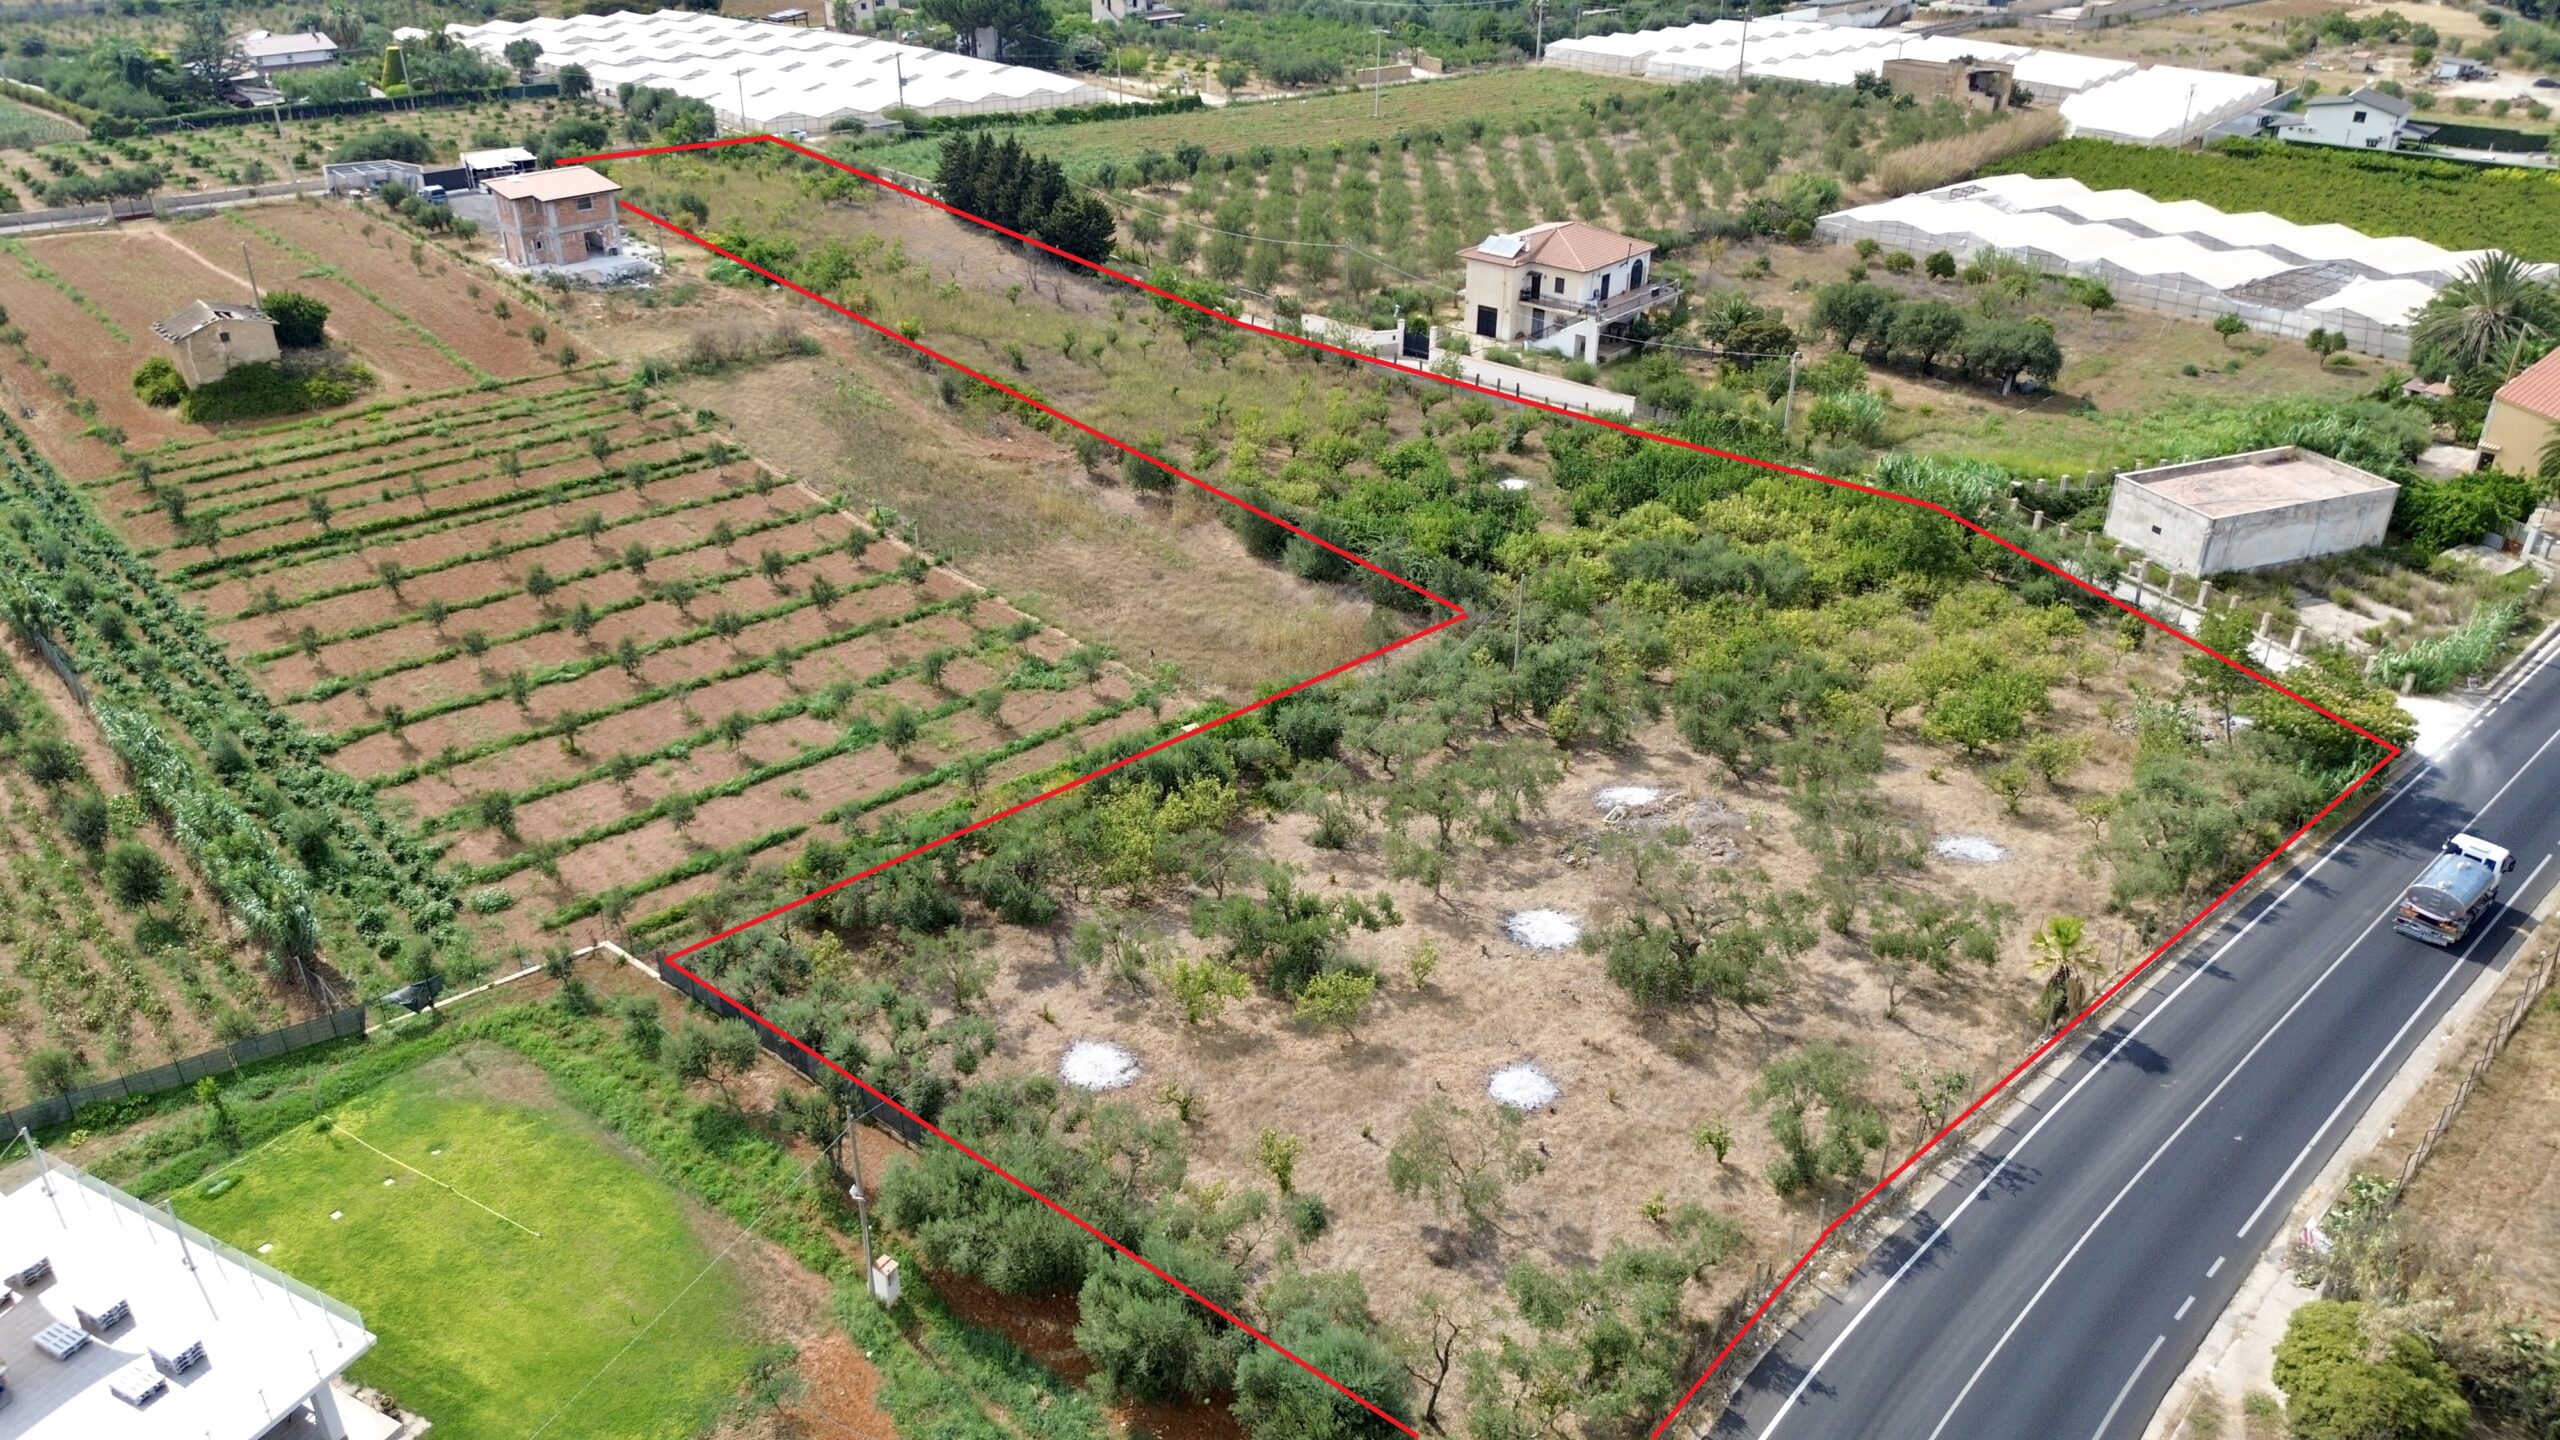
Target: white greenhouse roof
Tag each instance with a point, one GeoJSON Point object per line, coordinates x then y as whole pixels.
{"type": "Point", "coordinates": [1833, 55]}
{"type": "Point", "coordinates": [793, 77]}
{"type": "Point", "coordinates": [2163, 105]}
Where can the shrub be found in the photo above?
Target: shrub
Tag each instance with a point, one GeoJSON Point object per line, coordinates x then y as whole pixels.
{"type": "Point", "coordinates": [300, 319]}
{"type": "Point", "coordinates": [260, 389]}
{"type": "Point", "coordinates": [157, 383]}
{"type": "Point", "coordinates": [2339, 1385]}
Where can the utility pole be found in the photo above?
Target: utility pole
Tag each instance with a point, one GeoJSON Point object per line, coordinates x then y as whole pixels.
{"type": "Point", "coordinates": [742, 100]}
{"type": "Point", "coordinates": [257, 301]}
{"type": "Point", "coordinates": [1377, 68]}
{"type": "Point", "coordinates": [1787, 417]}
{"type": "Point", "coordinates": [861, 1199]}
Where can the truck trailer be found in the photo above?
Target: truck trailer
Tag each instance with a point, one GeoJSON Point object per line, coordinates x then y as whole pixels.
{"type": "Point", "coordinates": [2454, 891]}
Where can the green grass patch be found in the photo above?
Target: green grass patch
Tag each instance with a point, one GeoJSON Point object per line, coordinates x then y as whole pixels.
{"type": "Point", "coordinates": [485, 1327]}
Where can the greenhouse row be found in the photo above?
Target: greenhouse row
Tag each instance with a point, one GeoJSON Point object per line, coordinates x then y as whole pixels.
{"type": "Point", "coordinates": [758, 76]}
{"type": "Point", "coordinates": [2108, 98]}
{"type": "Point", "coordinates": [2184, 258]}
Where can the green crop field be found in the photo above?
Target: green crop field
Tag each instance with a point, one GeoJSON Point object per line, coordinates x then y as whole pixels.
{"type": "Point", "coordinates": [1499, 98]}
{"type": "Point", "coordinates": [23, 127]}
{"type": "Point", "coordinates": [2455, 205]}
{"type": "Point", "coordinates": [486, 1328]}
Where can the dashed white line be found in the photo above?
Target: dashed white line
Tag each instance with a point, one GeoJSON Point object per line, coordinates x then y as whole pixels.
{"type": "Point", "coordinates": [2183, 1307]}
{"type": "Point", "coordinates": [2216, 1268]}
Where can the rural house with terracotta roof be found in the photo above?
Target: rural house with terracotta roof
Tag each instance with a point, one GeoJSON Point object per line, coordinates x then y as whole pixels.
{"type": "Point", "coordinates": [1563, 286]}
{"type": "Point", "coordinates": [2524, 418]}
{"type": "Point", "coordinates": [556, 217]}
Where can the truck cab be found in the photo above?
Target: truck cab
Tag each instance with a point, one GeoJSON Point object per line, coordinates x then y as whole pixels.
{"type": "Point", "coordinates": [2458, 887]}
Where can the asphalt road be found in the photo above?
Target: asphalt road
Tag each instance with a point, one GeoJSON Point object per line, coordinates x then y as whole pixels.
{"type": "Point", "coordinates": [2058, 1286]}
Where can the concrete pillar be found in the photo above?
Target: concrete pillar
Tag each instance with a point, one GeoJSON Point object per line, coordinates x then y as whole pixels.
{"type": "Point", "coordinates": [2265, 619]}
{"type": "Point", "coordinates": [2035, 520]}
{"type": "Point", "coordinates": [324, 1408]}
{"type": "Point", "coordinates": [2408, 682]}
{"type": "Point", "coordinates": [2204, 594]}
{"type": "Point", "coordinates": [2063, 530]}
{"type": "Point", "coordinates": [2296, 646]}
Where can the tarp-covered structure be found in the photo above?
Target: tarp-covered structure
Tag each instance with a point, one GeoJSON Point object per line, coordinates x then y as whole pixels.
{"type": "Point", "coordinates": [794, 78]}
{"type": "Point", "coordinates": [2182, 258]}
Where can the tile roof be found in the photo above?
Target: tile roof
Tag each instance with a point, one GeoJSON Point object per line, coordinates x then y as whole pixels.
{"type": "Point", "coordinates": [201, 313]}
{"type": "Point", "coordinates": [1565, 245]}
{"type": "Point", "coordinates": [2537, 390]}
{"type": "Point", "coordinates": [566, 183]}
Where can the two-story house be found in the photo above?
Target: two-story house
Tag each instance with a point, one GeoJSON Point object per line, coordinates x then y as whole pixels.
{"type": "Point", "coordinates": [2362, 119]}
{"type": "Point", "coordinates": [1562, 286]}
{"type": "Point", "coordinates": [556, 217]}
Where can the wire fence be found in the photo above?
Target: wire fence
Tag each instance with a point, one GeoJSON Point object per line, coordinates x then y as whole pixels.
{"type": "Point", "coordinates": [59, 1109]}
{"type": "Point", "coordinates": [2534, 986]}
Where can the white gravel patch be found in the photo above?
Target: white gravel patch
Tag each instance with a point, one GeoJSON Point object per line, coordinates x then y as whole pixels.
{"type": "Point", "coordinates": [1611, 797]}
{"type": "Point", "coordinates": [1515, 482]}
{"type": "Point", "coordinates": [1971, 849]}
{"type": "Point", "coordinates": [1523, 1087]}
{"type": "Point", "coordinates": [1097, 1065]}
{"type": "Point", "coordinates": [1543, 929]}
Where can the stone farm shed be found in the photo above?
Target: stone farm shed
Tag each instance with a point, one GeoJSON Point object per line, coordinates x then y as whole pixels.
{"type": "Point", "coordinates": [2249, 511]}
{"type": "Point", "coordinates": [208, 339]}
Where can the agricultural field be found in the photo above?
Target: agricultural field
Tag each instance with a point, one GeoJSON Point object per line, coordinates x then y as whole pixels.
{"type": "Point", "coordinates": [1678, 964]}
{"type": "Point", "coordinates": [594, 651]}
{"type": "Point", "coordinates": [1334, 217]}
{"type": "Point", "coordinates": [48, 148]}
{"type": "Point", "coordinates": [520, 1267]}
{"type": "Point", "coordinates": [2456, 205]}
{"type": "Point", "coordinates": [82, 307]}
{"type": "Point", "coordinates": [109, 958]}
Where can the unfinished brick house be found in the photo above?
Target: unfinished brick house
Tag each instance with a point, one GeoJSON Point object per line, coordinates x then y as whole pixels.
{"type": "Point", "coordinates": [556, 217]}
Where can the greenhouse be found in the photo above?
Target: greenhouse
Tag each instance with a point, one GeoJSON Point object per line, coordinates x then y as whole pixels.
{"type": "Point", "coordinates": [779, 77]}
{"type": "Point", "coordinates": [2115, 99]}
{"type": "Point", "coordinates": [2180, 258]}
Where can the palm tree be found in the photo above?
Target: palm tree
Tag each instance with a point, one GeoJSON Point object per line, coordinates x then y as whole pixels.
{"type": "Point", "coordinates": [2549, 469]}
{"type": "Point", "coordinates": [2491, 306]}
{"type": "Point", "coordinates": [2063, 957]}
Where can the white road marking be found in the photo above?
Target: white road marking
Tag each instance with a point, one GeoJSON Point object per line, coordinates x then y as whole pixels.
{"type": "Point", "coordinates": [2384, 1054]}
{"type": "Point", "coordinates": [2101, 1432]}
{"type": "Point", "coordinates": [2173, 1137]}
{"type": "Point", "coordinates": [2183, 1307]}
{"type": "Point", "coordinates": [2217, 1266]}
{"type": "Point", "coordinates": [2425, 765]}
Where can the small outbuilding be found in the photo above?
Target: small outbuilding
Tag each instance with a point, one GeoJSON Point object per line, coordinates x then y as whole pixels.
{"type": "Point", "coordinates": [2249, 511]}
{"type": "Point", "coordinates": [208, 339]}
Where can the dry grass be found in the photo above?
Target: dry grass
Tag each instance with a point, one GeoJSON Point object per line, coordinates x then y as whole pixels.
{"type": "Point", "coordinates": [2492, 1187]}
{"type": "Point", "coordinates": [1933, 163]}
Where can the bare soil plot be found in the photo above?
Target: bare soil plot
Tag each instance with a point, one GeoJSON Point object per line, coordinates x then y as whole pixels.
{"type": "Point", "coordinates": [2492, 1187]}
{"type": "Point", "coordinates": [593, 647]}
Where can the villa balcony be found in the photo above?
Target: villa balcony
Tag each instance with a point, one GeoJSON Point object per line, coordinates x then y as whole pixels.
{"type": "Point", "coordinates": [1616, 307]}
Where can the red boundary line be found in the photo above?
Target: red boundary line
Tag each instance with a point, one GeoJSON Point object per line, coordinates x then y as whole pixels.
{"type": "Point", "coordinates": [1456, 615]}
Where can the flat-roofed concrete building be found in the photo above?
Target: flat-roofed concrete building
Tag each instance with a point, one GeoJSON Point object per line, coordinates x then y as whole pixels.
{"type": "Point", "coordinates": [2249, 511]}
{"type": "Point", "coordinates": [123, 1323]}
